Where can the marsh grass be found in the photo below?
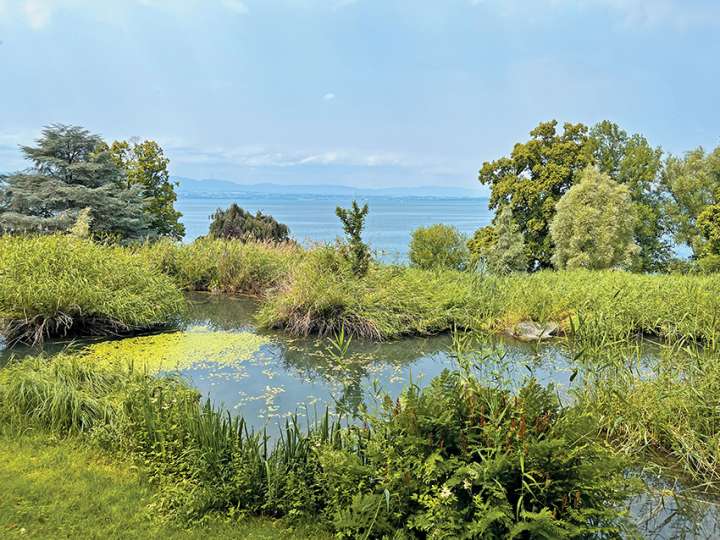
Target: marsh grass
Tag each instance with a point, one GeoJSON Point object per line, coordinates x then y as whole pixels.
{"type": "Point", "coordinates": [321, 296]}
{"type": "Point", "coordinates": [54, 286]}
{"type": "Point", "coordinates": [224, 266]}
{"type": "Point", "coordinates": [667, 412]}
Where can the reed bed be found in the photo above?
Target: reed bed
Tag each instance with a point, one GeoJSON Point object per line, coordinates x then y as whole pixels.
{"type": "Point", "coordinates": [224, 266]}
{"type": "Point", "coordinates": [53, 286]}
{"type": "Point", "coordinates": [321, 295]}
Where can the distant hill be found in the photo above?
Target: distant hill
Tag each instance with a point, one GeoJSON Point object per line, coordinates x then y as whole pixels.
{"type": "Point", "coordinates": [209, 187]}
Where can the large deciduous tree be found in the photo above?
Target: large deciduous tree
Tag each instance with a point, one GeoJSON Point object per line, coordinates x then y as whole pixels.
{"type": "Point", "coordinates": [630, 160]}
{"type": "Point", "coordinates": [594, 225]}
{"type": "Point", "coordinates": [145, 165]}
{"type": "Point", "coordinates": [71, 171]}
{"type": "Point", "coordinates": [692, 184]}
{"type": "Point", "coordinates": [533, 179]}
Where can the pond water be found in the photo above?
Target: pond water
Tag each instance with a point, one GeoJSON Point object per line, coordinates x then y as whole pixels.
{"type": "Point", "coordinates": [267, 376]}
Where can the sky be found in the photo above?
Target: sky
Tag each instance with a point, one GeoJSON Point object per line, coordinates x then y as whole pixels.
{"type": "Point", "coordinates": [370, 93]}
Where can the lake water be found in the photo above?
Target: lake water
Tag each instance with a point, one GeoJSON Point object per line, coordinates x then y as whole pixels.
{"type": "Point", "coordinates": [312, 217]}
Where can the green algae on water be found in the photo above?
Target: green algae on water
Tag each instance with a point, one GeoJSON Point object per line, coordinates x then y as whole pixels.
{"type": "Point", "coordinates": [197, 347]}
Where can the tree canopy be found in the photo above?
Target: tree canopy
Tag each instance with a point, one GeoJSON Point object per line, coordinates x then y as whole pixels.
{"type": "Point", "coordinates": [71, 171]}
{"type": "Point", "coordinates": [145, 165]}
{"type": "Point", "coordinates": [234, 222]}
{"type": "Point", "coordinates": [533, 179]}
{"type": "Point", "coordinates": [692, 184]}
{"type": "Point", "coordinates": [594, 225]}
{"type": "Point", "coordinates": [124, 189]}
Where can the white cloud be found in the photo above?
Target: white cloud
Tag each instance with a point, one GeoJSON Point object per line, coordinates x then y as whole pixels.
{"type": "Point", "coordinates": [236, 6]}
{"type": "Point", "coordinates": [37, 13]}
{"type": "Point", "coordinates": [329, 96]}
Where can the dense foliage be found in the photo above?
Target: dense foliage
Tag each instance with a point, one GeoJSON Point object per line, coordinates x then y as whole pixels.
{"type": "Point", "coordinates": [438, 246]}
{"type": "Point", "coordinates": [238, 224]}
{"type": "Point", "coordinates": [71, 171]}
{"type": "Point", "coordinates": [320, 294]}
{"type": "Point", "coordinates": [594, 225]}
{"type": "Point", "coordinates": [58, 285]}
{"type": "Point", "coordinates": [500, 248]}
{"type": "Point", "coordinates": [532, 180]}
{"type": "Point", "coordinates": [356, 251]}
{"type": "Point", "coordinates": [124, 189]}
{"type": "Point", "coordinates": [457, 458]}
{"type": "Point", "coordinates": [145, 165]}
{"type": "Point", "coordinates": [223, 266]}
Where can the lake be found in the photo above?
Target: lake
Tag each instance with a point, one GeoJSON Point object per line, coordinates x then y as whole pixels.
{"type": "Point", "coordinates": [311, 218]}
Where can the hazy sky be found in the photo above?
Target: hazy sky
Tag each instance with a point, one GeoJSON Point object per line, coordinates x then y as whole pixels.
{"type": "Point", "coordinates": [360, 92]}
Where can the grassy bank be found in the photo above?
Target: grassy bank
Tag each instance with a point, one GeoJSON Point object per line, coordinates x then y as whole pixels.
{"type": "Point", "coordinates": [54, 286]}
{"type": "Point", "coordinates": [458, 456]}
{"type": "Point", "coordinates": [64, 488]}
{"type": "Point", "coordinates": [321, 295]}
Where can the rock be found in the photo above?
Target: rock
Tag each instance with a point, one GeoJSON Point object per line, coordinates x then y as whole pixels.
{"type": "Point", "coordinates": [533, 331]}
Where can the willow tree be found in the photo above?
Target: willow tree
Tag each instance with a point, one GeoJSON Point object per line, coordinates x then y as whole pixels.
{"type": "Point", "coordinates": [71, 171]}
{"type": "Point", "coordinates": [594, 225]}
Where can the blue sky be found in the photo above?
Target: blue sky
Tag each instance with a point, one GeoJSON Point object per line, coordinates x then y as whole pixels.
{"type": "Point", "coordinates": [358, 92]}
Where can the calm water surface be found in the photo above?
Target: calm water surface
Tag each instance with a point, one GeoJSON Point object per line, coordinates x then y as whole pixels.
{"type": "Point", "coordinates": [312, 218]}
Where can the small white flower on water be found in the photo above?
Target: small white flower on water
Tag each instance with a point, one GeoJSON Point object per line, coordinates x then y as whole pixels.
{"type": "Point", "coordinates": [445, 492]}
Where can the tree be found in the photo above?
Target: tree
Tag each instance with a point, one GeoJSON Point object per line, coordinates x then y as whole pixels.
{"type": "Point", "coordinates": [239, 224]}
{"type": "Point", "coordinates": [630, 160]}
{"type": "Point", "coordinates": [594, 224]}
{"type": "Point", "coordinates": [531, 181]}
{"type": "Point", "coordinates": [145, 165]}
{"type": "Point", "coordinates": [438, 246]}
{"type": "Point", "coordinates": [501, 248]}
{"type": "Point", "coordinates": [353, 221]}
{"type": "Point", "coordinates": [71, 171]}
{"type": "Point", "coordinates": [692, 183]}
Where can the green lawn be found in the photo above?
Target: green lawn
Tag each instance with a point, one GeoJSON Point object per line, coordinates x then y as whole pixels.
{"type": "Point", "coordinates": [55, 488]}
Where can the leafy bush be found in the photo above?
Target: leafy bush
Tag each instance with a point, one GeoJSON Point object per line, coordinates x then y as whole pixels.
{"type": "Point", "coordinates": [438, 246]}
{"type": "Point", "coordinates": [59, 285]}
{"type": "Point", "coordinates": [235, 223]}
{"type": "Point", "coordinates": [457, 457]}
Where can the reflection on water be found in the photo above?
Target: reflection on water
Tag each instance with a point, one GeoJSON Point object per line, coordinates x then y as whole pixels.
{"type": "Point", "coordinates": [298, 376]}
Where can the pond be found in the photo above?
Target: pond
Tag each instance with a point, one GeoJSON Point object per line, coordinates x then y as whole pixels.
{"type": "Point", "coordinates": [267, 376]}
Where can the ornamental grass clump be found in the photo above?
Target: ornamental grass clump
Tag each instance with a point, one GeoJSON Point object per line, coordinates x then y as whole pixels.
{"type": "Point", "coordinates": [54, 286]}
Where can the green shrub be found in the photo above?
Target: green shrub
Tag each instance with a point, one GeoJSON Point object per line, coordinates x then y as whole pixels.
{"type": "Point", "coordinates": [237, 224]}
{"type": "Point", "coordinates": [438, 246]}
{"type": "Point", "coordinates": [59, 285]}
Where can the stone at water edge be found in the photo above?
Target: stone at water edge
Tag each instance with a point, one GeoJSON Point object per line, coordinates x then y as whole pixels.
{"type": "Point", "coordinates": [533, 331]}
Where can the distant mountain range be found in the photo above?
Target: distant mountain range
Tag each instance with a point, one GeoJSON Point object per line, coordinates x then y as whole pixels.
{"type": "Point", "coordinates": [211, 187]}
